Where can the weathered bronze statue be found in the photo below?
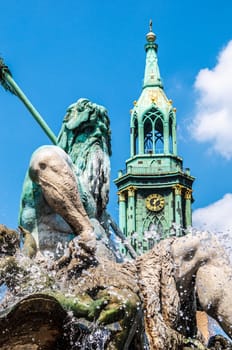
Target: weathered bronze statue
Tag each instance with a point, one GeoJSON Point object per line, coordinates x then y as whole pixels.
{"type": "Point", "coordinates": [67, 186]}
{"type": "Point", "coordinates": [88, 299]}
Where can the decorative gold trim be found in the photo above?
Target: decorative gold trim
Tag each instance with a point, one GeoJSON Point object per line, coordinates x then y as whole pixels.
{"type": "Point", "coordinates": [178, 189]}
{"type": "Point", "coordinates": [121, 196]}
{"type": "Point", "coordinates": [188, 194]}
{"type": "Point", "coordinates": [155, 202]}
{"type": "Point", "coordinates": [131, 191]}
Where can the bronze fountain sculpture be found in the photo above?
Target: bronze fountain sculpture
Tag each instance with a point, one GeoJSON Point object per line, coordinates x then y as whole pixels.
{"type": "Point", "coordinates": [68, 288]}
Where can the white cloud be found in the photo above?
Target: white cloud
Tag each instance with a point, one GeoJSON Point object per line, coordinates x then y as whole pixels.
{"type": "Point", "coordinates": [213, 118]}
{"type": "Point", "coordinates": [217, 218]}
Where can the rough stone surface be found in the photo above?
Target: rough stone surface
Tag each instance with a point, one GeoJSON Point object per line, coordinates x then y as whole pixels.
{"type": "Point", "coordinates": [34, 323]}
{"type": "Point", "coordinates": [114, 296]}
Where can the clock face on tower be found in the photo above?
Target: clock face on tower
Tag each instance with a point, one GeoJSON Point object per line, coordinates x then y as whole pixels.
{"type": "Point", "coordinates": [154, 202]}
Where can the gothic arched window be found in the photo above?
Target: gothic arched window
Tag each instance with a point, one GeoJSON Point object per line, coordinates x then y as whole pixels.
{"type": "Point", "coordinates": [159, 136]}
{"type": "Point", "coordinates": [153, 228]}
{"type": "Point", "coordinates": [153, 132]}
{"type": "Point", "coordinates": [135, 134]}
{"type": "Point", "coordinates": [170, 134]}
{"type": "Point", "coordinates": [148, 136]}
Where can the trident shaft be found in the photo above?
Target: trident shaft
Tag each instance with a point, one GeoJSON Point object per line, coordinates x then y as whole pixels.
{"type": "Point", "coordinates": [9, 84]}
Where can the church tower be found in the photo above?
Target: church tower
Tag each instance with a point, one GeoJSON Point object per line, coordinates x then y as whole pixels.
{"type": "Point", "coordinates": [155, 192]}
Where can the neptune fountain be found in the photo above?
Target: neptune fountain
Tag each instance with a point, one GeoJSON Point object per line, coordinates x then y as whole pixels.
{"type": "Point", "coordinates": [65, 283]}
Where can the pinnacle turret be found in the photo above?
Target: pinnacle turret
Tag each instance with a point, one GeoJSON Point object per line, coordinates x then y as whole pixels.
{"type": "Point", "coordinates": [153, 111]}
{"type": "Point", "coordinates": [152, 74]}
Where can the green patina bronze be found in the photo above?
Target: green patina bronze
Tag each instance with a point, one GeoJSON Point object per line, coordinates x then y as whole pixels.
{"type": "Point", "coordinates": [155, 192]}
{"type": "Point", "coordinates": [85, 137]}
{"type": "Point", "coordinates": [9, 84]}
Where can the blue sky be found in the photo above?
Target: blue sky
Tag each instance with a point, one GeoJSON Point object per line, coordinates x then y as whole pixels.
{"type": "Point", "coordinates": [59, 51]}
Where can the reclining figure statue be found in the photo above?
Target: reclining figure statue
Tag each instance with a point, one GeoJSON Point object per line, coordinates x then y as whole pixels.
{"type": "Point", "coordinates": [64, 202]}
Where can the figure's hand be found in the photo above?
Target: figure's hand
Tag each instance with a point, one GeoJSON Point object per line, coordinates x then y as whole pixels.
{"type": "Point", "coordinates": [122, 306]}
{"type": "Point", "coordinates": [82, 305]}
{"type": "Point", "coordinates": [96, 307]}
{"type": "Point", "coordinates": [119, 314]}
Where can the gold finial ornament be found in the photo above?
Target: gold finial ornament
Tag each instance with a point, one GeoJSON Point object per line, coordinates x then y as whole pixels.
{"type": "Point", "coordinates": [150, 36]}
{"type": "Point", "coordinates": [153, 99]}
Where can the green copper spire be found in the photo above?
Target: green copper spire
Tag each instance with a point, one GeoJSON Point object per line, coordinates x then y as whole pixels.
{"type": "Point", "coordinates": [152, 74]}
{"type": "Point", "coordinates": [155, 191]}
{"type": "Point", "coordinates": [153, 117]}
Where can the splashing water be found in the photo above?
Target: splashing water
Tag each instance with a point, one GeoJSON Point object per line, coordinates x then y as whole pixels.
{"type": "Point", "coordinates": [80, 335]}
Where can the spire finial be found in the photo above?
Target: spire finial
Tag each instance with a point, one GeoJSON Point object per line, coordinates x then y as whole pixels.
{"type": "Point", "coordinates": [150, 36]}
